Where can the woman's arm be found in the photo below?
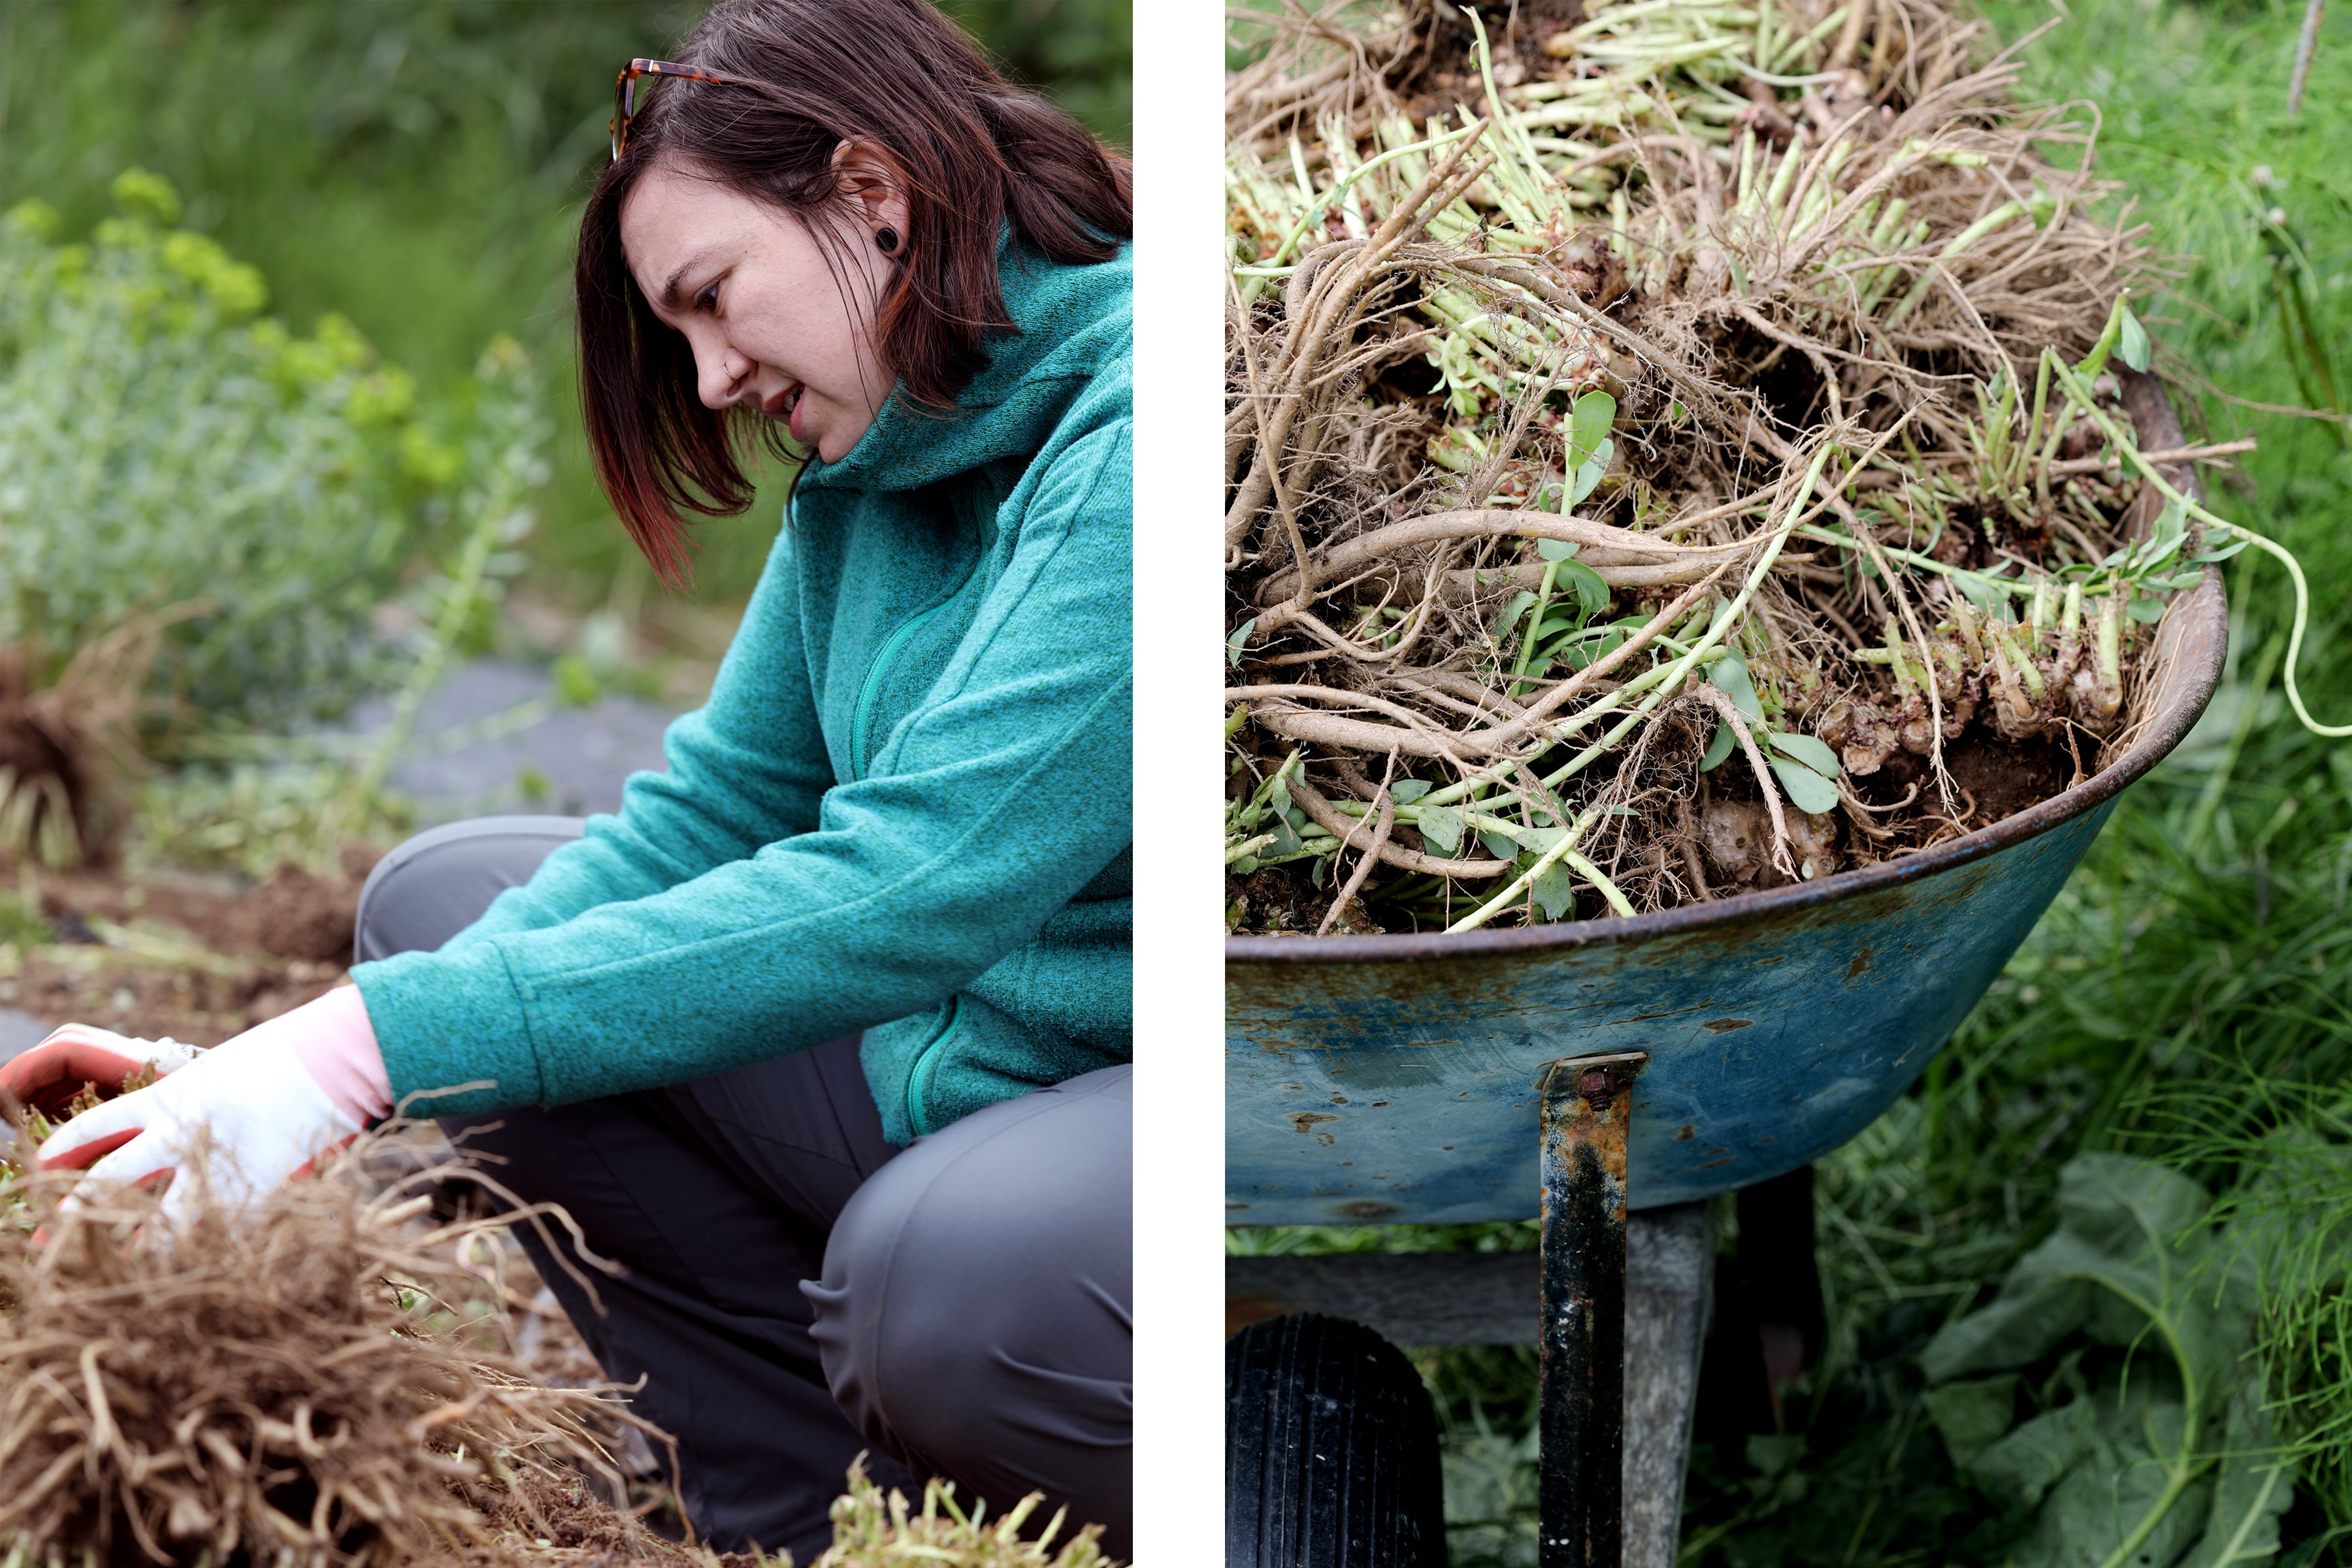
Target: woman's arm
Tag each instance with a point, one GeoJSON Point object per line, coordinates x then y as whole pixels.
{"type": "Point", "coordinates": [746, 769]}
{"type": "Point", "coordinates": [987, 809]}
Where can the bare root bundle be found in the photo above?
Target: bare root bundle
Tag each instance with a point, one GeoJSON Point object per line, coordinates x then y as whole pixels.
{"type": "Point", "coordinates": [1672, 453]}
{"type": "Point", "coordinates": [318, 1384]}
{"type": "Point", "coordinates": [65, 745]}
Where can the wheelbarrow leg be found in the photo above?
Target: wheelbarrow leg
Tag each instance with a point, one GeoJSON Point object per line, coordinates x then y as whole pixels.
{"type": "Point", "coordinates": [1582, 1398]}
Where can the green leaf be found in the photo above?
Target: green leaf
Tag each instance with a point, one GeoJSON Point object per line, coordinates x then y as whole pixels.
{"type": "Point", "coordinates": [1971, 1416]}
{"type": "Point", "coordinates": [1590, 591]}
{"type": "Point", "coordinates": [1589, 425]}
{"type": "Point", "coordinates": [1498, 846]}
{"type": "Point", "coordinates": [2252, 1491]}
{"type": "Point", "coordinates": [2119, 1485]}
{"type": "Point", "coordinates": [1238, 641]}
{"type": "Point", "coordinates": [1718, 748]}
{"type": "Point", "coordinates": [1555, 891]}
{"type": "Point", "coordinates": [1441, 827]}
{"type": "Point", "coordinates": [2021, 1467]}
{"type": "Point", "coordinates": [2122, 1230]}
{"type": "Point", "coordinates": [1536, 840]}
{"type": "Point", "coordinates": [1812, 793]}
{"type": "Point", "coordinates": [2134, 345]}
{"type": "Point", "coordinates": [1511, 613]}
{"type": "Point", "coordinates": [1729, 675]}
{"type": "Point", "coordinates": [1404, 792]}
{"type": "Point", "coordinates": [1555, 549]}
{"type": "Point", "coordinates": [1816, 754]}
{"type": "Point", "coordinates": [2146, 611]}
{"type": "Point", "coordinates": [1591, 472]}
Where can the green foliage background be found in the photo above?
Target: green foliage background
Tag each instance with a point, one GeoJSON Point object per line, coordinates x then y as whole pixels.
{"type": "Point", "coordinates": [419, 168]}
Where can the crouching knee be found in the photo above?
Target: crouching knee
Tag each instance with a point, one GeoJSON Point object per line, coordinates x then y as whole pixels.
{"type": "Point", "coordinates": [975, 1311]}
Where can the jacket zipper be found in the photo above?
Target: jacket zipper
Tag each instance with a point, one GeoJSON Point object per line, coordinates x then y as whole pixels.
{"type": "Point", "coordinates": [918, 1077]}
{"type": "Point", "coordinates": [861, 718]}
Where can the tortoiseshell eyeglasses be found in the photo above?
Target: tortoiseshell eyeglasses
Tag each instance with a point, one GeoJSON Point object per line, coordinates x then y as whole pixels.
{"type": "Point", "coordinates": [624, 92]}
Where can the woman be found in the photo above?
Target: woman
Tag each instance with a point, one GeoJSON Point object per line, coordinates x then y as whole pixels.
{"type": "Point", "coordinates": [880, 899]}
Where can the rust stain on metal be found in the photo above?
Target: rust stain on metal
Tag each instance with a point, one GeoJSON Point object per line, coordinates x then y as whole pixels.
{"type": "Point", "coordinates": [1725, 1026]}
{"type": "Point", "coordinates": [1300, 1121]}
{"type": "Point", "coordinates": [1860, 964]}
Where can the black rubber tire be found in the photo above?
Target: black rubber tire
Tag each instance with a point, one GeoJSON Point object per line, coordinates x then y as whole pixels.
{"type": "Point", "coordinates": [1330, 1450]}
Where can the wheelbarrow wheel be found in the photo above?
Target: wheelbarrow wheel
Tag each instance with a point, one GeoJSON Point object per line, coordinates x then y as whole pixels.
{"type": "Point", "coordinates": [1330, 1450]}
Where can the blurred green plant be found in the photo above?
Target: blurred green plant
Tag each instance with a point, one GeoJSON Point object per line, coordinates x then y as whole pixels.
{"type": "Point", "coordinates": [419, 167]}
{"type": "Point", "coordinates": [165, 450]}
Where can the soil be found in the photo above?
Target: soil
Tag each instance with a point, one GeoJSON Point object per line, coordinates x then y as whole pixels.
{"type": "Point", "coordinates": [196, 958]}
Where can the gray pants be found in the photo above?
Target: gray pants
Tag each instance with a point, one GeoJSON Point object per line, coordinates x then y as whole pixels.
{"type": "Point", "coordinates": [798, 1290]}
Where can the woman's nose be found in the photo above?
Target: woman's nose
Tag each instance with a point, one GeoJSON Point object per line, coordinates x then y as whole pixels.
{"type": "Point", "coordinates": [720, 373]}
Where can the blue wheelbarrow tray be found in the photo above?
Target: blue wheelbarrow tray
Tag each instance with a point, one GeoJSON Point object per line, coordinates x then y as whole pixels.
{"type": "Point", "coordinates": [1392, 1080]}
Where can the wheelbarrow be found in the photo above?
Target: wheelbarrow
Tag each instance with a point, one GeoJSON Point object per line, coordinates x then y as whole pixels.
{"type": "Point", "coordinates": [1572, 1073]}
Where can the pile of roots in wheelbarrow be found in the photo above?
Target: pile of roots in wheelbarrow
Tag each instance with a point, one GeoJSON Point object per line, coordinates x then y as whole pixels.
{"type": "Point", "coordinates": [1672, 450]}
{"type": "Point", "coordinates": [333, 1382]}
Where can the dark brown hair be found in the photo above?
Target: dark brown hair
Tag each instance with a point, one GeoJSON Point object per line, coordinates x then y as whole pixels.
{"type": "Point", "coordinates": [972, 153]}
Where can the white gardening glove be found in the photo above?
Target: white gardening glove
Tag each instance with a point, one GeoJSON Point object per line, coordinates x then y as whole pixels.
{"type": "Point", "coordinates": [47, 1076]}
{"type": "Point", "coordinates": [255, 1105]}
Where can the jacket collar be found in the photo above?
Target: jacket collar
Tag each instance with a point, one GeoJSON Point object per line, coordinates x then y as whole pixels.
{"type": "Point", "coordinates": [1073, 321]}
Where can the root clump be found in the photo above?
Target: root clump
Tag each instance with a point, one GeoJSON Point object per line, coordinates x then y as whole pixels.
{"type": "Point", "coordinates": [1671, 451]}
{"type": "Point", "coordinates": [321, 1384]}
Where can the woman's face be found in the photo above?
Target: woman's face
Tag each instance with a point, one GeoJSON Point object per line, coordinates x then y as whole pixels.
{"type": "Point", "coordinates": [774, 320]}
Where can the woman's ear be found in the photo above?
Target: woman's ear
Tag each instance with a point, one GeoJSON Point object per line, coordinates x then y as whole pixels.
{"type": "Point", "coordinates": [876, 195]}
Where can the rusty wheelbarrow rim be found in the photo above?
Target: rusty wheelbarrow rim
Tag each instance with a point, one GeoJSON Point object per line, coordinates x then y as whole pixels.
{"type": "Point", "coordinates": [2087, 794]}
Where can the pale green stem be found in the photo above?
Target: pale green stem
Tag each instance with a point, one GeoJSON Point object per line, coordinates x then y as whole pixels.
{"type": "Point", "coordinates": [2165, 488]}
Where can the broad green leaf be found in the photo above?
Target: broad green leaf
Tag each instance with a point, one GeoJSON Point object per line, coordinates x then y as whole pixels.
{"type": "Point", "coordinates": [2118, 1485]}
{"type": "Point", "coordinates": [1816, 754]}
{"type": "Point", "coordinates": [1500, 848]}
{"type": "Point", "coordinates": [2123, 1230]}
{"type": "Point", "coordinates": [1812, 793]}
{"type": "Point", "coordinates": [1538, 840]}
{"type": "Point", "coordinates": [2133, 346]}
{"type": "Point", "coordinates": [1972, 1416]}
{"type": "Point", "coordinates": [1555, 891]}
{"type": "Point", "coordinates": [1729, 675]}
{"type": "Point", "coordinates": [2146, 611]}
{"type": "Point", "coordinates": [1279, 798]}
{"type": "Point", "coordinates": [2019, 1469]}
{"type": "Point", "coordinates": [1555, 549]}
{"type": "Point", "coordinates": [1584, 653]}
{"type": "Point", "coordinates": [2253, 1488]}
{"type": "Point", "coordinates": [1238, 641]}
{"type": "Point", "coordinates": [1590, 591]}
{"type": "Point", "coordinates": [1442, 825]}
{"type": "Point", "coordinates": [1404, 792]}
{"type": "Point", "coordinates": [1591, 472]}
{"type": "Point", "coordinates": [1718, 748]}
{"type": "Point", "coordinates": [1512, 610]}
{"type": "Point", "coordinates": [1589, 425]}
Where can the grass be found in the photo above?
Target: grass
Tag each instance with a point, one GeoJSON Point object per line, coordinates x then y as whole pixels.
{"type": "Point", "coordinates": [2200, 949]}
{"type": "Point", "coordinates": [419, 167]}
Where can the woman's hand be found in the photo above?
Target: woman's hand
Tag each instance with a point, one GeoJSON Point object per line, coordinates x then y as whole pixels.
{"type": "Point", "coordinates": [261, 1108]}
{"type": "Point", "coordinates": [48, 1076]}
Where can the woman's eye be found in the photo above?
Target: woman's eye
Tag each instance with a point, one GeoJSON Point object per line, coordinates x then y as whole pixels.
{"type": "Point", "coordinates": [708, 299]}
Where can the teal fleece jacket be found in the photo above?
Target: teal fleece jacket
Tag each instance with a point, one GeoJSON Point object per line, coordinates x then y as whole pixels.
{"type": "Point", "coordinates": [906, 808]}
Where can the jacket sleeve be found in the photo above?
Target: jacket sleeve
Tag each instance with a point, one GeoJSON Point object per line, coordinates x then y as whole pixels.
{"type": "Point", "coordinates": [988, 807]}
{"type": "Point", "coordinates": [745, 770]}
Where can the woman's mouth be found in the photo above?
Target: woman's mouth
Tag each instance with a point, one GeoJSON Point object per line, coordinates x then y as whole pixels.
{"type": "Point", "coordinates": [787, 406]}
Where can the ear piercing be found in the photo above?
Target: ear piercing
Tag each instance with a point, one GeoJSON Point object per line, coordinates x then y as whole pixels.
{"type": "Point", "coordinates": [887, 240]}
